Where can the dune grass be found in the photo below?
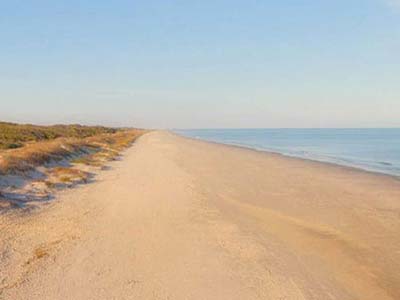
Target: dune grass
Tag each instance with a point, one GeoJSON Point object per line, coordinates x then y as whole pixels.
{"type": "Point", "coordinates": [41, 145]}
{"type": "Point", "coordinates": [70, 175]}
{"type": "Point", "coordinates": [17, 135]}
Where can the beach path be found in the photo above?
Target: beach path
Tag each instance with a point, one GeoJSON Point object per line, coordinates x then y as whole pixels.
{"type": "Point", "coordinates": [177, 218]}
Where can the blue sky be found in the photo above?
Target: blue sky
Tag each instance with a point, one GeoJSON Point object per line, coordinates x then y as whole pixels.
{"type": "Point", "coordinates": [201, 63]}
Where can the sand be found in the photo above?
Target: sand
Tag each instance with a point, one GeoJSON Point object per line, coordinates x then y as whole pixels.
{"type": "Point", "coordinates": [183, 219]}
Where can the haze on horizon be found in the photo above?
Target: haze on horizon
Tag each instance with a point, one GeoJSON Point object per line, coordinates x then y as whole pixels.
{"type": "Point", "coordinates": [198, 64]}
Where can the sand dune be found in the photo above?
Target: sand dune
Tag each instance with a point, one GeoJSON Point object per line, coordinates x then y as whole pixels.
{"type": "Point", "coordinates": [185, 219]}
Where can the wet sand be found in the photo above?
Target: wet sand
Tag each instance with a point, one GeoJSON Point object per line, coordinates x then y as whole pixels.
{"type": "Point", "coordinates": [183, 219]}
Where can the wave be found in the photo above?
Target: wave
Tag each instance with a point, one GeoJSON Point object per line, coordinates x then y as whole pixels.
{"type": "Point", "coordinates": [358, 148]}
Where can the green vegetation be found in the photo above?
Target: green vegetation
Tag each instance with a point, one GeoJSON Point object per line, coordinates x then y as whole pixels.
{"type": "Point", "coordinates": [24, 147]}
{"type": "Point", "coordinates": [15, 135]}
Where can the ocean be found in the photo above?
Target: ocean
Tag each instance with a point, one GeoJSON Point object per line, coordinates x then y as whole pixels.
{"type": "Point", "coordinates": [376, 150]}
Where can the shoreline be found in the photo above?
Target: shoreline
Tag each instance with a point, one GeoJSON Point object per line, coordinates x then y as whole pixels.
{"type": "Point", "coordinates": [182, 218]}
{"type": "Point", "coordinates": [288, 156]}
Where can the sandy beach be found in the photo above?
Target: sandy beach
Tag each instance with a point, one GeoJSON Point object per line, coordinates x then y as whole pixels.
{"type": "Point", "coordinates": [178, 218]}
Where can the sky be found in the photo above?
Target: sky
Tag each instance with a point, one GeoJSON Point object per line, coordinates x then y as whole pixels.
{"type": "Point", "coordinates": [201, 64]}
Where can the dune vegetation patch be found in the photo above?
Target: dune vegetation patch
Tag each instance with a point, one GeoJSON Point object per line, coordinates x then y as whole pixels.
{"type": "Point", "coordinates": [67, 176]}
{"type": "Point", "coordinates": [17, 135]}
{"type": "Point", "coordinates": [51, 157]}
{"type": "Point", "coordinates": [83, 146]}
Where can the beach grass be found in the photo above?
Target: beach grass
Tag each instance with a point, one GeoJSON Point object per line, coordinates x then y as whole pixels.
{"type": "Point", "coordinates": [24, 147]}
{"type": "Point", "coordinates": [17, 135]}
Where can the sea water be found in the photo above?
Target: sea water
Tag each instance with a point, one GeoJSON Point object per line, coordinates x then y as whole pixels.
{"type": "Point", "coordinates": [376, 150]}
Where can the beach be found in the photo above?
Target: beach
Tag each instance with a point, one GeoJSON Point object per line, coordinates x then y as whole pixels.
{"type": "Point", "coordinates": [178, 218]}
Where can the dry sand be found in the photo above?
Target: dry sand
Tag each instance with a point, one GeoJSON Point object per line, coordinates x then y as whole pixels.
{"type": "Point", "coordinates": [185, 219]}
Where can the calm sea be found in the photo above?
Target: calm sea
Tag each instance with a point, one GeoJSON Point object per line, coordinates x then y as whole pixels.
{"type": "Point", "coordinates": [376, 150]}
